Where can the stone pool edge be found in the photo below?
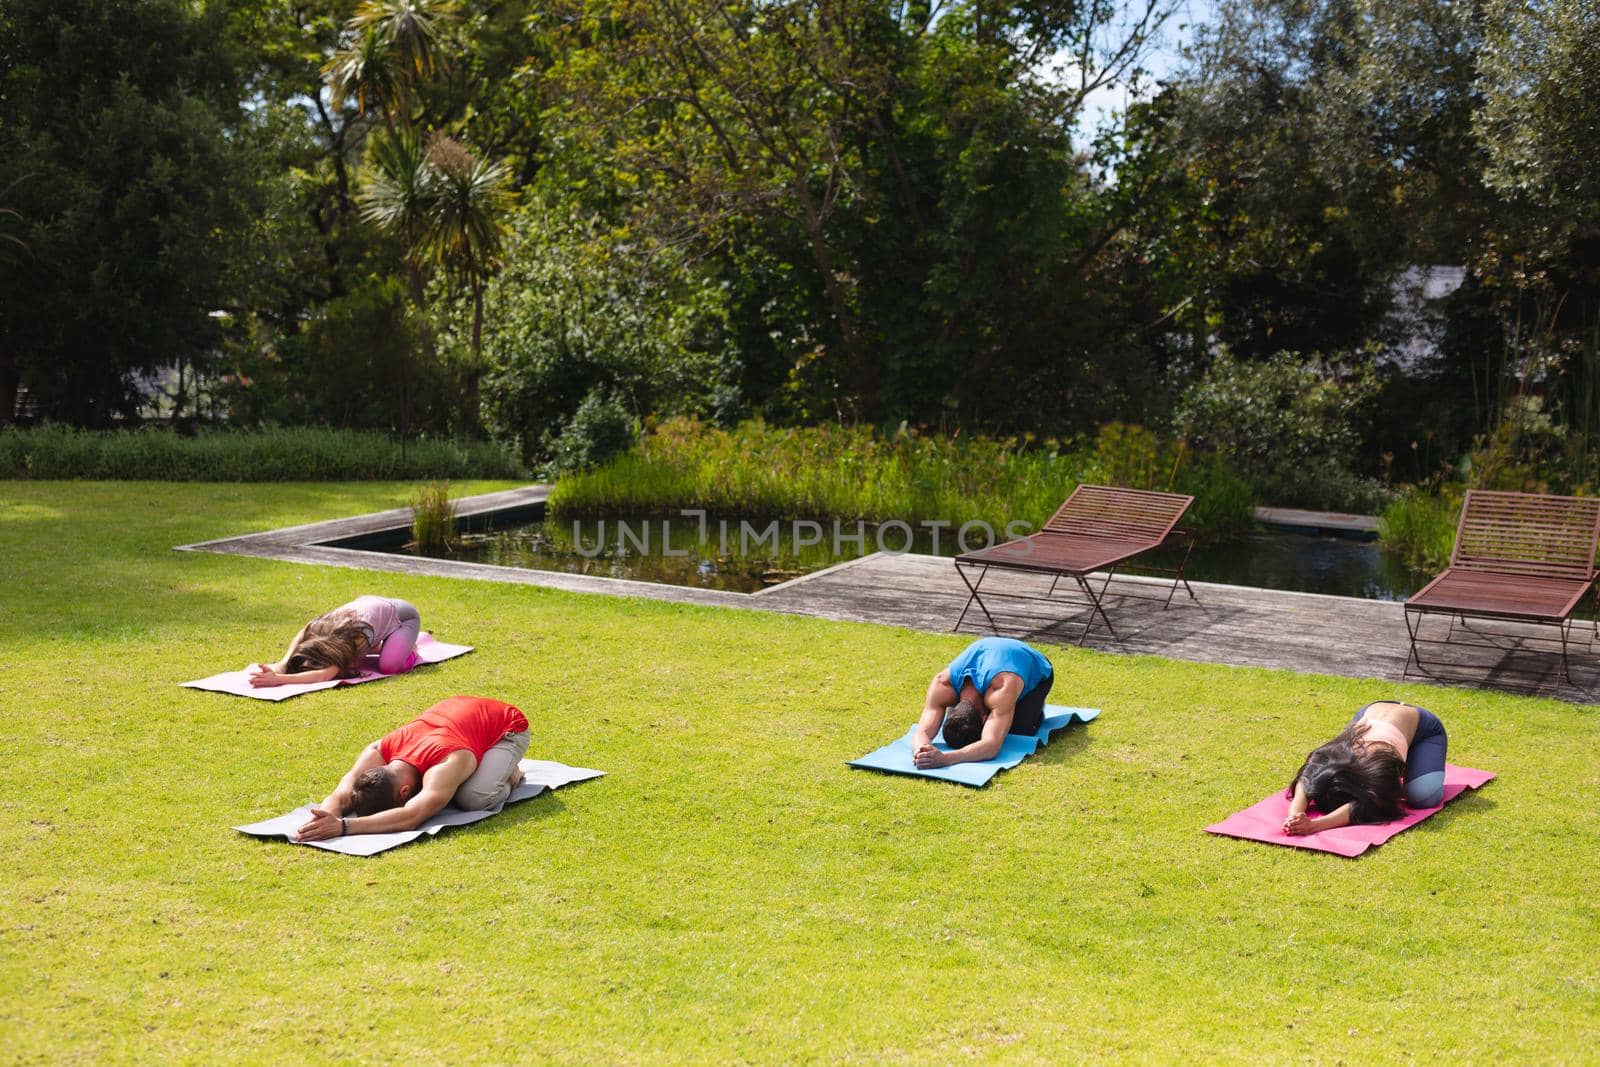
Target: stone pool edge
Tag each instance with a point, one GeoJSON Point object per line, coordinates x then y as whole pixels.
{"type": "Point", "coordinates": [309, 543]}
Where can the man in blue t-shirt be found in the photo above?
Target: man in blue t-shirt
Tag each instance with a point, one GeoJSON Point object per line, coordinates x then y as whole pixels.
{"type": "Point", "coordinates": [997, 686]}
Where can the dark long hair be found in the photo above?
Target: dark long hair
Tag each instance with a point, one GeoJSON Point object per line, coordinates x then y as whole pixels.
{"type": "Point", "coordinates": [337, 639]}
{"type": "Point", "coordinates": [1367, 777]}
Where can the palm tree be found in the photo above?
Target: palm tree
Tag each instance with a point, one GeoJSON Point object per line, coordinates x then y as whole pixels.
{"type": "Point", "coordinates": [399, 198]}
{"type": "Point", "coordinates": [366, 71]}
{"type": "Point", "coordinates": [412, 28]}
{"type": "Point", "coordinates": [393, 46]}
{"type": "Point", "coordinates": [465, 228]}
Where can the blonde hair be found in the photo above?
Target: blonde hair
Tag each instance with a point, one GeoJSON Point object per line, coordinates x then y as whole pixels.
{"type": "Point", "coordinates": [337, 639]}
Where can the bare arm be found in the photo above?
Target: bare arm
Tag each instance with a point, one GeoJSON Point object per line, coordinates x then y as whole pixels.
{"type": "Point", "coordinates": [1336, 818]}
{"type": "Point", "coordinates": [338, 801]}
{"type": "Point", "coordinates": [439, 784]}
{"type": "Point", "coordinates": [1297, 805]}
{"type": "Point", "coordinates": [266, 675]}
{"type": "Point", "coordinates": [265, 679]}
{"type": "Point", "coordinates": [940, 696]}
{"type": "Point", "coordinates": [1298, 823]}
{"type": "Point", "coordinates": [283, 664]}
{"type": "Point", "coordinates": [1002, 703]}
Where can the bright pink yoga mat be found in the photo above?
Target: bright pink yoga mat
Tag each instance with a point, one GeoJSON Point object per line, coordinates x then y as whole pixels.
{"type": "Point", "coordinates": [238, 682]}
{"type": "Point", "coordinates": [1264, 821]}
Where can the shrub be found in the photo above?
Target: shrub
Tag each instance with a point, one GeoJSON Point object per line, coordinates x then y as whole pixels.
{"type": "Point", "coordinates": [302, 454]}
{"type": "Point", "coordinates": [577, 310]}
{"type": "Point", "coordinates": [1288, 424]}
{"type": "Point", "coordinates": [359, 363]}
{"type": "Point", "coordinates": [600, 430]}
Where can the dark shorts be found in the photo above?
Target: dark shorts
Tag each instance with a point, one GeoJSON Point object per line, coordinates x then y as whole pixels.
{"type": "Point", "coordinates": [1029, 715]}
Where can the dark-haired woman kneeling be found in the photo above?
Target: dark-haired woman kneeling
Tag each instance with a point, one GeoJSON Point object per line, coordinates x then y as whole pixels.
{"type": "Point", "coordinates": [1389, 753]}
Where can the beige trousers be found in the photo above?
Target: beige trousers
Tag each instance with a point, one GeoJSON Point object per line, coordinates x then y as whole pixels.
{"type": "Point", "coordinates": [489, 785]}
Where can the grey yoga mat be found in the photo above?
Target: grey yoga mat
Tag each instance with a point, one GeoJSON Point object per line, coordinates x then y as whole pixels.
{"type": "Point", "coordinates": [538, 775]}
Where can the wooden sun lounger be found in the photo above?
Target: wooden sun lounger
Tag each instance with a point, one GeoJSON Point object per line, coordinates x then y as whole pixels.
{"type": "Point", "coordinates": [1522, 557]}
{"type": "Point", "coordinates": [1096, 529]}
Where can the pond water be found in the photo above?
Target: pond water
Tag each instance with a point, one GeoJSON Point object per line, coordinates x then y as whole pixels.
{"type": "Point", "coordinates": [744, 559]}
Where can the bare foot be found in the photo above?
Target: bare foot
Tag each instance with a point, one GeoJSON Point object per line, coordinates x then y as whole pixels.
{"type": "Point", "coordinates": [516, 777]}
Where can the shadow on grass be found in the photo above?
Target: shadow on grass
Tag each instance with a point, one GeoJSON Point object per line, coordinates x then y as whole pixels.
{"type": "Point", "coordinates": [1473, 802]}
{"type": "Point", "coordinates": [1065, 744]}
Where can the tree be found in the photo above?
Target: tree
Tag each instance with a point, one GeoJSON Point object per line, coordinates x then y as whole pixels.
{"type": "Point", "coordinates": [393, 47]}
{"type": "Point", "coordinates": [1539, 74]}
{"type": "Point", "coordinates": [400, 198]}
{"type": "Point", "coordinates": [128, 117]}
{"type": "Point", "coordinates": [367, 72]}
{"type": "Point", "coordinates": [465, 223]}
{"type": "Point", "coordinates": [856, 154]}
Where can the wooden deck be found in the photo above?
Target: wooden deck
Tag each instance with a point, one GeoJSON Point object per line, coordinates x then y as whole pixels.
{"type": "Point", "coordinates": [1225, 624]}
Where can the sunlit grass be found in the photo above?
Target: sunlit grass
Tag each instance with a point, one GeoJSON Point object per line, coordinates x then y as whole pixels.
{"type": "Point", "coordinates": [730, 891]}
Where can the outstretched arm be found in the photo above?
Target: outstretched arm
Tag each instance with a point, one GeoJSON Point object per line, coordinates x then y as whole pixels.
{"type": "Point", "coordinates": [439, 784]}
{"type": "Point", "coordinates": [338, 801]}
{"type": "Point", "coordinates": [283, 664]}
{"type": "Point", "coordinates": [940, 696]}
{"type": "Point", "coordinates": [264, 676]}
{"type": "Point", "coordinates": [1297, 807]}
{"type": "Point", "coordinates": [1336, 818]}
{"type": "Point", "coordinates": [1298, 823]}
{"type": "Point", "coordinates": [1002, 703]}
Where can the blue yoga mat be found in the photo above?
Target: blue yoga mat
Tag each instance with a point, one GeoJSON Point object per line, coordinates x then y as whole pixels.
{"type": "Point", "coordinates": [895, 757]}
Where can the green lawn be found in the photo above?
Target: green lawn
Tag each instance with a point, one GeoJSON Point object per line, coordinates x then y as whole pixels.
{"type": "Point", "coordinates": [731, 891]}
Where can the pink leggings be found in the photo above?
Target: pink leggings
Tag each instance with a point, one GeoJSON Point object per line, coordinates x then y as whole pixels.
{"type": "Point", "coordinates": [399, 652]}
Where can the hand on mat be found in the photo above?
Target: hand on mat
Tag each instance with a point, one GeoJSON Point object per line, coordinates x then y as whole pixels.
{"type": "Point", "coordinates": [320, 827]}
{"type": "Point", "coordinates": [1298, 824]}
{"type": "Point", "coordinates": [262, 675]}
{"type": "Point", "coordinates": [927, 757]}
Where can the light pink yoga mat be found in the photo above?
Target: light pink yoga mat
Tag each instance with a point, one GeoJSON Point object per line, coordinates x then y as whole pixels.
{"type": "Point", "coordinates": [238, 682]}
{"type": "Point", "coordinates": [1264, 821]}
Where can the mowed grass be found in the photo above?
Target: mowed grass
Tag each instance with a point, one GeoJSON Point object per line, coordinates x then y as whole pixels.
{"type": "Point", "coordinates": [731, 891]}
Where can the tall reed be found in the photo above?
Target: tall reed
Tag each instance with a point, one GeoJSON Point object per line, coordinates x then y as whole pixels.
{"type": "Point", "coordinates": [1421, 528]}
{"type": "Point", "coordinates": [835, 472]}
{"type": "Point", "coordinates": [433, 518]}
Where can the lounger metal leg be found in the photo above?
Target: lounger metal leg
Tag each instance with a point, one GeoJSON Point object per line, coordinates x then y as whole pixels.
{"type": "Point", "coordinates": [1412, 630]}
{"type": "Point", "coordinates": [1182, 563]}
{"type": "Point", "coordinates": [1053, 582]}
{"type": "Point", "coordinates": [972, 587]}
{"type": "Point", "coordinates": [1566, 675]}
{"type": "Point", "coordinates": [1094, 609]}
{"type": "Point", "coordinates": [1107, 583]}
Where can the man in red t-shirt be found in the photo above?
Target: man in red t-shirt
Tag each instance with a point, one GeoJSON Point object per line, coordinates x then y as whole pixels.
{"type": "Point", "coordinates": [463, 750]}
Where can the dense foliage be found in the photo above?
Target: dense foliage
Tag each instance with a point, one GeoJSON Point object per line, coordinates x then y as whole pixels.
{"type": "Point", "coordinates": [483, 217]}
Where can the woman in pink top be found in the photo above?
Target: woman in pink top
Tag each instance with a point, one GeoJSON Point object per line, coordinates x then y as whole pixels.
{"type": "Point", "coordinates": [1388, 753]}
{"type": "Point", "coordinates": [333, 645]}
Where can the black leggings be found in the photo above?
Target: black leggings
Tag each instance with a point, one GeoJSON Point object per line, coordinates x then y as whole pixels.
{"type": "Point", "coordinates": [1029, 715]}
